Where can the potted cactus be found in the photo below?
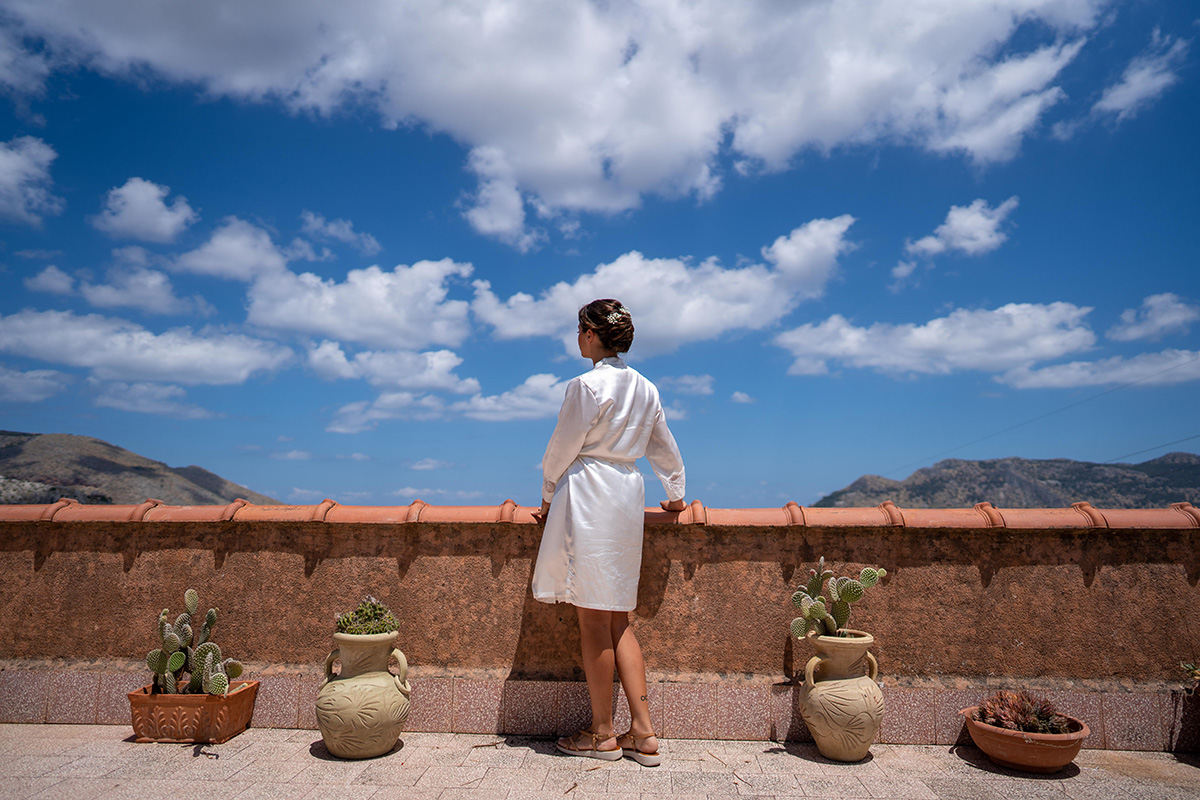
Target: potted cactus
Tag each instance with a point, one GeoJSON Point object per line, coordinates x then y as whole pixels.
{"type": "Point", "coordinates": [1024, 731]}
{"type": "Point", "coordinates": [194, 695]}
{"type": "Point", "coordinates": [841, 702]}
{"type": "Point", "coordinates": [362, 709]}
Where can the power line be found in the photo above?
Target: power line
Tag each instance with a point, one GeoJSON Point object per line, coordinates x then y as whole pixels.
{"type": "Point", "coordinates": [1049, 414]}
{"type": "Point", "coordinates": [1148, 449]}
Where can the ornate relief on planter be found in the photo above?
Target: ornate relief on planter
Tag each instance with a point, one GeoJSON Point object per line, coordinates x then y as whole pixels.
{"type": "Point", "coordinates": [841, 702]}
{"type": "Point", "coordinates": [211, 719]}
{"type": "Point", "coordinates": [362, 711]}
{"type": "Point", "coordinates": [1031, 752]}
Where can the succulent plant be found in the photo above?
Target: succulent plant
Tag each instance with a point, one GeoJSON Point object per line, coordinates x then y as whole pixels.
{"type": "Point", "coordinates": [1193, 674]}
{"type": "Point", "coordinates": [190, 662]}
{"type": "Point", "coordinates": [371, 616]}
{"type": "Point", "coordinates": [1022, 711]}
{"type": "Point", "coordinates": [828, 611]}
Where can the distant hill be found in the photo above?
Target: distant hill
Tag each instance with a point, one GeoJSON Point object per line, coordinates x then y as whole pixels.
{"type": "Point", "coordinates": [1024, 483]}
{"type": "Point", "coordinates": [42, 467]}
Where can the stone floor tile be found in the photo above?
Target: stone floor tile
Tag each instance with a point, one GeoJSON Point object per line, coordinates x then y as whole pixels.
{"type": "Point", "coordinates": [276, 791]}
{"type": "Point", "coordinates": [140, 791]}
{"type": "Point", "coordinates": [477, 706]}
{"type": "Point", "coordinates": [407, 793]}
{"type": "Point", "coordinates": [451, 777]}
{"type": "Point", "coordinates": [18, 788]}
{"type": "Point", "coordinates": [948, 788]}
{"type": "Point", "coordinates": [432, 706]}
{"type": "Point", "coordinates": [75, 789]}
{"type": "Point", "coordinates": [277, 704]}
{"type": "Point", "coordinates": [704, 783]}
{"type": "Point", "coordinates": [32, 766]}
{"type": "Point", "coordinates": [634, 782]}
{"type": "Point", "coordinates": [270, 771]}
{"type": "Point", "coordinates": [87, 767]}
{"type": "Point", "coordinates": [690, 711]}
{"type": "Point", "coordinates": [508, 778]}
{"type": "Point", "coordinates": [23, 696]}
{"type": "Point", "coordinates": [588, 779]}
{"type": "Point", "coordinates": [495, 757]}
{"type": "Point", "coordinates": [899, 788]}
{"type": "Point", "coordinates": [335, 772]}
{"type": "Point", "coordinates": [774, 784]}
{"type": "Point", "coordinates": [743, 712]}
{"type": "Point", "coordinates": [391, 773]}
{"type": "Point", "coordinates": [330, 792]}
{"type": "Point", "coordinates": [72, 697]}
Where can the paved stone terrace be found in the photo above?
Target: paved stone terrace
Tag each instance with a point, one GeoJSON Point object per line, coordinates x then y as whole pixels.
{"type": "Point", "coordinates": [82, 762]}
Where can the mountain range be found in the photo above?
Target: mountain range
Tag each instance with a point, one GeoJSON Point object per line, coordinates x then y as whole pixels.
{"type": "Point", "coordinates": [42, 467]}
{"type": "Point", "coordinates": [1027, 483]}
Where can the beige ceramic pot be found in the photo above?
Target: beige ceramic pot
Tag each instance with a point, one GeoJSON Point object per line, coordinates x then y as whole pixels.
{"type": "Point", "coordinates": [362, 710]}
{"type": "Point", "coordinates": [841, 702]}
{"type": "Point", "coordinates": [1031, 752]}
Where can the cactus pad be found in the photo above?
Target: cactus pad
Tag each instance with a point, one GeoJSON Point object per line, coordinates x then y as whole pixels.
{"type": "Point", "coordinates": [852, 591]}
{"type": "Point", "coordinates": [176, 661]}
{"type": "Point", "coordinates": [217, 683]}
{"type": "Point", "coordinates": [170, 685]}
{"type": "Point", "coordinates": [233, 669]}
{"type": "Point", "coordinates": [156, 660]}
{"type": "Point", "coordinates": [840, 611]}
{"type": "Point", "coordinates": [191, 601]}
{"type": "Point", "coordinates": [171, 642]}
{"type": "Point", "coordinates": [868, 577]}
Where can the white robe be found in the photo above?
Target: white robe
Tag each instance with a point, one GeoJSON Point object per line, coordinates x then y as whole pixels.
{"type": "Point", "coordinates": [591, 551]}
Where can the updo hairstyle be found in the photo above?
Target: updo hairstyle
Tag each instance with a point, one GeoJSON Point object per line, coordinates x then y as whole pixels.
{"type": "Point", "coordinates": [611, 321]}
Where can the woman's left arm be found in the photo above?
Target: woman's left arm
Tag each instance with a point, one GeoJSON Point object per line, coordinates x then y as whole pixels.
{"type": "Point", "coordinates": [663, 455]}
{"type": "Point", "coordinates": [576, 417]}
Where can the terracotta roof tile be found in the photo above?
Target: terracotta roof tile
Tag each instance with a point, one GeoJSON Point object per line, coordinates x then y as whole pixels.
{"type": "Point", "coordinates": [1080, 516]}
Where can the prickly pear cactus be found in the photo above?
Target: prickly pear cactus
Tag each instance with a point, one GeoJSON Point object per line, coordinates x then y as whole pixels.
{"type": "Point", "coordinates": [188, 660]}
{"type": "Point", "coordinates": [825, 600]}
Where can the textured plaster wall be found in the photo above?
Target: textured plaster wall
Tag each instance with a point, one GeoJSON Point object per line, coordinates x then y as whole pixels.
{"type": "Point", "coordinates": [1079, 606]}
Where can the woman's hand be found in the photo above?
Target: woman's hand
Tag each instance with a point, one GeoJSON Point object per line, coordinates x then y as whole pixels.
{"type": "Point", "coordinates": [673, 505]}
{"type": "Point", "coordinates": [540, 514]}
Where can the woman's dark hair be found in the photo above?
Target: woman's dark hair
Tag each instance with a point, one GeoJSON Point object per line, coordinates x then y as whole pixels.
{"type": "Point", "coordinates": [611, 321]}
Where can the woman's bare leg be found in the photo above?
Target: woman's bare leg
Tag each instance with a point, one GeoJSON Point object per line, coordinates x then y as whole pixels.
{"type": "Point", "coordinates": [599, 659]}
{"type": "Point", "coordinates": [631, 667]}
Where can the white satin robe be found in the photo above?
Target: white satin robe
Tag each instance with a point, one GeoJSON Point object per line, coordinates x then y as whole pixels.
{"type": "Point", "coordinates": [591, 551]}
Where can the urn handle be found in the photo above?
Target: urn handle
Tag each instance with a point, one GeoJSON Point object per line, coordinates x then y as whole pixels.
{"type": "Point", "coordinates": [808, 671]}
{"type": "Point", "coordinates": [333, 656]}
{"type": "Point", "coordinates": [401, 675]}
{"type": "Point", "coordinates": [874, 667]}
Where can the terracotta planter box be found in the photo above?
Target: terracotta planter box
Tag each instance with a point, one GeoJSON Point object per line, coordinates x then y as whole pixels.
{"type": "Point", "coordinates": [197, 718]}
{"type": "Point", "coordinates": [1031, 752]}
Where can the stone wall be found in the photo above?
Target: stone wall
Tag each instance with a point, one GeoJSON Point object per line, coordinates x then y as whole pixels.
{"type": "Point", "coordinates": [1060, 599]}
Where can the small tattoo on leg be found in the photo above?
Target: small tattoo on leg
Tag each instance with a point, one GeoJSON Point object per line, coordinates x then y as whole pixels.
{"type": "Point", "coordinates": [643, 698]}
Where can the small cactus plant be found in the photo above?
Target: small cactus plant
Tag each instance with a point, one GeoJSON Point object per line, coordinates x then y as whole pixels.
{"type": "Point", "coordinates": [828, 611]}
{"type": "Point", "coordinates": [371, 616]}
{"type": "Point", "coordinates": [188, 661]}
{"type": "Point", "coordinates": [1022, 711]}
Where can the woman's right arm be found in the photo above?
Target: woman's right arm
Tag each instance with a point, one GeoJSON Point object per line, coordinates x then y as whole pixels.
{"type": "Point", "coordinates": [663, 455]}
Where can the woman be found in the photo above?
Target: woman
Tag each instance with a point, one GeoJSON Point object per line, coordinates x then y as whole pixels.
{"type": "Point", "coordinates": [593, 502]}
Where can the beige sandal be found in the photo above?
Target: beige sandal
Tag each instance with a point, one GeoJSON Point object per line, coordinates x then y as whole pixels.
{"type": "Point", "coordinates": [636, 753]}
{"type": "Point", "coordinates": [571, 749]}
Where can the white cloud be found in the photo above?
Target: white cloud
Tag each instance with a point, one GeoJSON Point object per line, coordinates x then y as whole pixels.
{"type": "Point", "coordinates": [573, 106]}
{"type": "Point", "coordinates": [147, 398]}
{"type": "Point", "coordinates": [144, 289]}
{"type": "Point", "coordinates": [21, 71]}
{"type": "Point", "coordinates": [673, 302]}
{"type": "Point", "coordinates": [688, 384]}
{"type": "Point", "coordinates": [675, 412]}
{"type": "Point", "coordinates": [237, 250]}
{"type": "Point", "coordinates": [364, 415]}
{"type": "Point", "coordinates": [1145, 79]}
{"type": "Point", "coordinates": [394, 369]}
{"type": "Point", "coordinates": [1146, 369]}
{"type": "Point", "coordinates": [25, 180]}
{"type": "Point", "coordinates": [138, 210]}
{"type": "Point", "coordinates": [972, 230]}
{"type": "Point", "coordinates": [32, 386]}
{"type": "Point", "coordinates": [354, 457]}
{"type": "Point", "coordinates": [741, 397]}
{"type": "Point", "coordinates": [1008, 337]}
{"type": "Point", "coordinates": [118, 350]}
{"type": "Point", "coordinates": [430, 463]}
{"type": "Point", "coordinates": [454, 494]}
{"type": "Point", "coordinates": [538, 397]}
{"type": "Point", "coordinates": [1160, 314]}
{"type": "Point", "coordinates": [292, 455]}
{"type": "Point", "coordinates": [341, 230]}
{"type": "Point", "coordinates": [404, 309]}
{"type": "Point", "coordinates": [52, 280]}
{"type": "Point", "coordinates": [45, 255]}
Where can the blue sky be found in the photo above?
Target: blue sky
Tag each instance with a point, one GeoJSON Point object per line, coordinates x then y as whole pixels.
{"type": "Point", "coordinates": [338, 253]}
